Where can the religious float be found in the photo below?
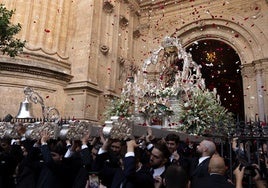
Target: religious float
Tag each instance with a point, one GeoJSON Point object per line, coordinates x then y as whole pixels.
{"type": "Point", "coordinates": [167, 94]}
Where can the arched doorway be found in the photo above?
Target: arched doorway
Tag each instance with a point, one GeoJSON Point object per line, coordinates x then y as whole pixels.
{"type": "Point", "coordinates": [221, 68]}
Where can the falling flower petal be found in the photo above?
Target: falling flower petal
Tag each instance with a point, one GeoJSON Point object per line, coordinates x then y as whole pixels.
{"type": "Point", "coordinates": [47, 30]}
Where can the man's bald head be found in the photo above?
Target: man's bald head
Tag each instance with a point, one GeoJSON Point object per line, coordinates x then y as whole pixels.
{"type": "Point", "coordinates": [217, 165]}
{"type": "Point", "coordinates": [206, 148]}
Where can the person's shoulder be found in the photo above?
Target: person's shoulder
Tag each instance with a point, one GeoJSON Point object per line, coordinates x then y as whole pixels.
{"type": "Point", "coordinates": [218, 181]}
{"type": "Point", "coordinates": [203, 182]}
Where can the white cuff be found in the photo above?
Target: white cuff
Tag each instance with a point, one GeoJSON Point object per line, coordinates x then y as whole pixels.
{"type": "Point", "coordinates": [101, 151]}
{"type": "Point", "coordinates": [84, 146]}
{"type": "Point", "coordinates": [130, 154]}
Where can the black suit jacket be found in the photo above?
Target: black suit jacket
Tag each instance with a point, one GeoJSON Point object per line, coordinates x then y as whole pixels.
{"type": "Point", "coordinates": [215, 180]}
{"type": "Point", "coordinates": [54, 175]}
{"type": "Point", "coordinates": [199, 172]}
{"type": "Point", "coordinates": [130, 178]}
{"type": "Point", "coordinates": [29, 169]}
{"type": "Point", "coordinates": [81, 176]}
{"type": "Point", "coordinates": [106, 166]}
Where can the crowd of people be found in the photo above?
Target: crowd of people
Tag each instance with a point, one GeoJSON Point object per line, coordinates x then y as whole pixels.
{"type": "Point", "coordinates": [144, 162]}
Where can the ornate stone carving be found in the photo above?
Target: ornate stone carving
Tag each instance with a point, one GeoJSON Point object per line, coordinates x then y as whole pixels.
{"type": "Point", "coordinates": [123, 22]}
{"type": "Point", "coordinates": [133, 69]}
{"type": "Point", "coordinates": [136, 34]}
{"type": "Point", "coordinates": [108, 7]}
{"type": "Point", "coordinates": [121, 61]}
{"type": "Point", "coordinates": [122, 67]}
{"type": "Point", "coordinates": [126, 68]}
{"type": "Point", "coordinates": [104, 49]}
{"type": "Point", "coordinates": [143, 28]}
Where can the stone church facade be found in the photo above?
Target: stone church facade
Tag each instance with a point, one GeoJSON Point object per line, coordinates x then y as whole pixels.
{"type": "Point", "coordinates": [78, 53]}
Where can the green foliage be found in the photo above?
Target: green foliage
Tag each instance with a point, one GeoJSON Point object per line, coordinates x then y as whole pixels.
{"type": "Point", "coordinates": [8, 44]}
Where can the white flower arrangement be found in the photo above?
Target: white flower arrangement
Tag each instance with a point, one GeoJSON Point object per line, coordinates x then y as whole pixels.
{"type": "Point", "coordinates": [154, 108]}
{"type": "Point", "coordinates": [202, 111]}
{"type": "Point", "coordinates": [168, 92]}
{"type": "Point", "coordinates": [119, 107]}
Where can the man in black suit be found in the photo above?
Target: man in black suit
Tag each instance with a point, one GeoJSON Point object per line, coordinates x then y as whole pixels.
{"type": "Point", "coordinates": [172, 140]}
{"type": "Point", "coordinates": [81, 160]}
{"type": "Point", "coordinates": [29, 168]}
{"type": "Point", "coordinates": [159, 159]}
{"type": "Point", "coordinates": [217, 178]}
{"type": "Point", "coordinates": [179, 151]}
{"type": "Point", "coordinates": [55, 171]}
{"type": "Point", "coordinates": [159, 162]}
{"type": "Point", "coordinates": [108, 160]}
{"type": "Point", "coordinates": [134, 173]}
{"type": "Point", "coordinates": [9, 157]}
{"type": "Point", "coordinates": [199, 168]}
{"type": "Point", "coordinates": [175, 177]}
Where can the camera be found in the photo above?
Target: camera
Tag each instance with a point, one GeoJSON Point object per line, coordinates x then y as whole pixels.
{"type": "Point", "coordinates": [243, 162]}
{"type": "Point", "coordinates": [250, 171]}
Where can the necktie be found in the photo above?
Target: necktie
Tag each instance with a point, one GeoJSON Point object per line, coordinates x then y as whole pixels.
{"type": "Point", "coordinates": [196, 162]}
{"type": "Point", "coordinates": [152, 171]}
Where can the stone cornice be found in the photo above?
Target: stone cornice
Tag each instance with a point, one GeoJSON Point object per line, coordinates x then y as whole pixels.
{"type": "Point", "coordinates": [37, 59]}
{"type": "Point", "coordinates": [83, 85]}
{"type": "Point", "coordinates": [33, 70]}
{"type": "Point", "coordinates": [265, 60]}
{"type": "Point", "coordinates": [260, 64]}
{"type": "Point", "coordinates": [159, 5]}
{"type": "Point", "coordinates": [110, 94]}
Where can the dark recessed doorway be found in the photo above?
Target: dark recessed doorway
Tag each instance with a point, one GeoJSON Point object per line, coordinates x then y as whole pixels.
{"type": "Point", "coordinates": [221, 70]}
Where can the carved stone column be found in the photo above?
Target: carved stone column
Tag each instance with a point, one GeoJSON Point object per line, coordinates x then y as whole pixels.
{"type": "Point", "coordinates": [260, 81]}
{"type": "Point", "coordinates": [248, 77]}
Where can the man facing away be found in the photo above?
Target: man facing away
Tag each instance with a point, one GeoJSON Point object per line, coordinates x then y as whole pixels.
{"type": "Point", "coordinates": [217, 172]}
{"type": "Point", "coordinates": [199, 168]}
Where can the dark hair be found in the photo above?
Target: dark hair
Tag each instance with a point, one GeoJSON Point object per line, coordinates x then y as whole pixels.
{"type": "Point", "coordinates": [97, 146]}
{"type": "Point", "coordinates": [163, 148]}
{"type": "Point", "coordinates": [173, 137]}
{"type": "Point", "coordinates": [57, 146]}
{"type": "Point", "coordinates": [118, 140]}
{"type": "Point", "coordinates": [175, 177]}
